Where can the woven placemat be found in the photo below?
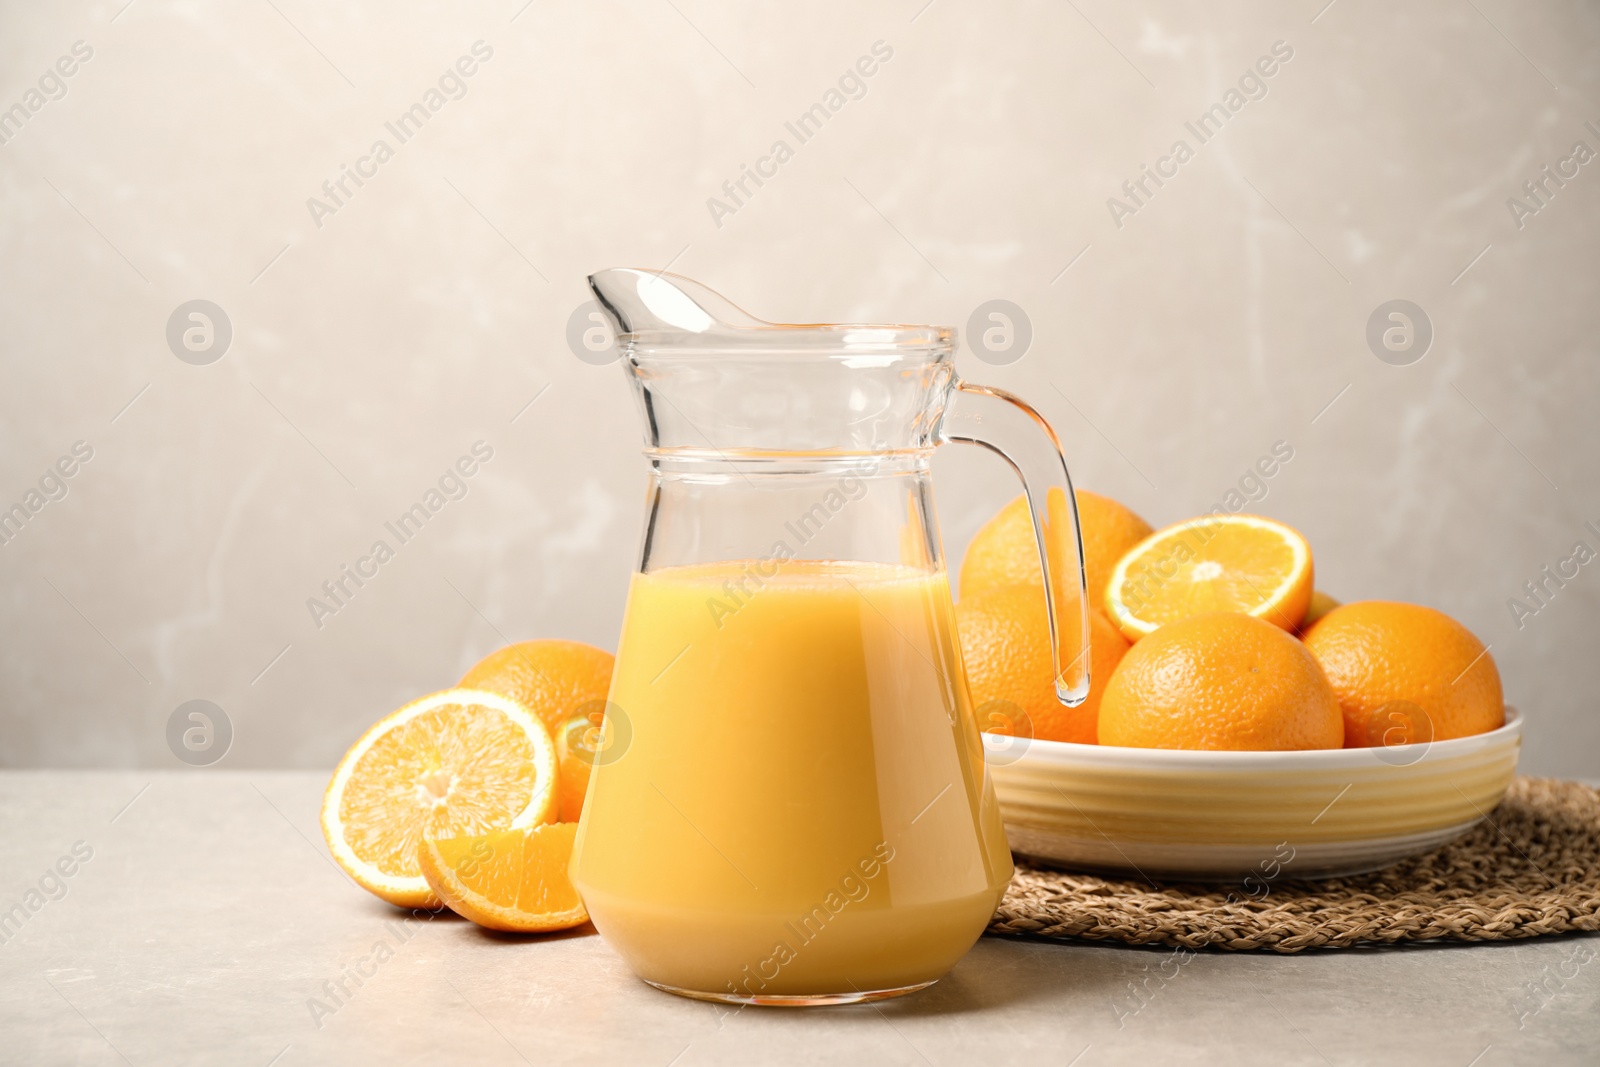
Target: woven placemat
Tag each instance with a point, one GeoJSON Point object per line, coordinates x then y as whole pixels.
{"type": "Point", "coordinates": [1532, 868]}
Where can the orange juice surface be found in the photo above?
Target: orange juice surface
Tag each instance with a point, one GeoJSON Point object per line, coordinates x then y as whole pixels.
{"type": "Point", "coordinates": [796, 802]}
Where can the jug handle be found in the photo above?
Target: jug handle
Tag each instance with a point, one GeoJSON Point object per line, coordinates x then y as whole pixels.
{"type": "Point", "coordinates": [1010, 427]}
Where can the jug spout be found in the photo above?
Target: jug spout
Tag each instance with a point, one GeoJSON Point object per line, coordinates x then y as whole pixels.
{"type": "Point", "coordinates": [654, 306]}
{"type": "Point", "coordinates": [656, 311]}
{"type": "Point", "coordinates": [715, 381]}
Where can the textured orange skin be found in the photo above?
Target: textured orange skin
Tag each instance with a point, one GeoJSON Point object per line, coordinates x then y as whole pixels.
{"type": "Point", "coordinates": [1223, 681]}
{"type": "Point", "coordinates": [1005, 644]}
{"type": "Point", "coordinates": [551, 677]}
{"type": "Point", "coordinates": [1387, 659]}
{"type": "Point", "coordinates": [1003, 552]}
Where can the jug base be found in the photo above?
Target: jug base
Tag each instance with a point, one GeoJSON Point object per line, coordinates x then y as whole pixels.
{"type": "Point", "coordinates": [804, 1000]}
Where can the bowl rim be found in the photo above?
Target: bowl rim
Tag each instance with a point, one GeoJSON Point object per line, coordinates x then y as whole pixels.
{"type": "Point", "coordinates": [1400, 756]}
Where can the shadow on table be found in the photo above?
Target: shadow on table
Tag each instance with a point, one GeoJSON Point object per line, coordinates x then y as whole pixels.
{"type": "Point", "coordinates": [389, 912]}
{"type": "Point", "coordinates": [1005, 972]}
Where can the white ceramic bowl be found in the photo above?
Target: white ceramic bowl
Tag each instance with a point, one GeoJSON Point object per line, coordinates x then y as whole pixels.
{"type": "Point", "coordinates": [1163, 813]}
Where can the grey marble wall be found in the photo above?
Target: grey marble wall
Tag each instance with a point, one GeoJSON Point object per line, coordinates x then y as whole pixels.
{"type": "Point", "coordinates": [167, 152]}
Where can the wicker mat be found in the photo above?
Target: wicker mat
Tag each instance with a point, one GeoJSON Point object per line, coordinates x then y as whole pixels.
{"type": "Point", "coordinates": [1532, 868]}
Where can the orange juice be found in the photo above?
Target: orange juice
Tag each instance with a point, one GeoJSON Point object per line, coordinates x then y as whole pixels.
{"type": "Point", "coordinates": [790, 817]}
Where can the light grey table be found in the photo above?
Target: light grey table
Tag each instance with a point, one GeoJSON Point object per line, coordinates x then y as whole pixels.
{"type": "Point", "coordinates": [208, 917]}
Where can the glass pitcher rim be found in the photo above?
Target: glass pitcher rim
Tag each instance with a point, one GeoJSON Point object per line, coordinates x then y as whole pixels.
{"type": "Point", "coordinates": [759, 338]}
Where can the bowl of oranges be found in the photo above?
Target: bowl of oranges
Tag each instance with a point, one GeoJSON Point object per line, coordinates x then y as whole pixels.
{"type": "Point", "coordinates": [1240, 723]}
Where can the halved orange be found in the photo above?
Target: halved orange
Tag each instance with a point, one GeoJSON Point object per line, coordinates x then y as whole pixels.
{"type": "Point", "coordinates": [509, 880]}
{"type": "Point", "coordinates": [1241, 563]}
{"type": "Point", "coordinates": [456, 763]}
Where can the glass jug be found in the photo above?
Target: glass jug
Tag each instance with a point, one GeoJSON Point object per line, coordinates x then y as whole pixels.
{"type": "Point", "coordinates": [790, 803]}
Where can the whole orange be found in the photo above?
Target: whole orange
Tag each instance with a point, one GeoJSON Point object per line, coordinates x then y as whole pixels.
{"type": "Point", "coordinates": [560, 681]}
{"type": "Point", "coordinates": [1220, 681]}
{"type": "Point", "coordinates": [1004, 552]}
{"type": "Point", "coordinates": [1405, 673]}
{"type": "Point", "coordinates": [1005, 643]}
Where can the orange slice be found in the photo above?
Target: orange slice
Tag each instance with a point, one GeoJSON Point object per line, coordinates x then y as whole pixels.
{"type": "Point", "coordinates": [1238, 563]}
{"type": "Point", "coordinates": [455, 763]}
{"type": "Point", "coordinates": [508, 880]}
